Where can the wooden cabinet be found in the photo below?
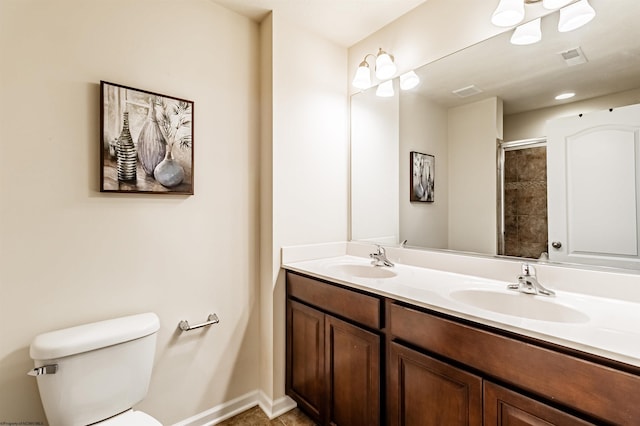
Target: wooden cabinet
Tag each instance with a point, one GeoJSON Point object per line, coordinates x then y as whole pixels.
{"type": "Point", "coordinates": [423, 391]}
{"type": "Point", "coordinates": [438, 369]}
{"type": "Point", "coordinates": [428, 392]}
{"type": "Point", "coordinates": [305, 357]}
{"type": "Point", "coordinates": [333, 364]}
{"type": "Point", "coordinates": [352, 369]}
{"type": "Point", "coordinates": [503, 407]}
{"type": "Point", "coordinates": [563, 377]}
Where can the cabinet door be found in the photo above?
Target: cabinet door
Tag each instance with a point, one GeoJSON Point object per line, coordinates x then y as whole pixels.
{"type": "Point", "coordinates": [424, 391]}
{"type": "Point", "coordinates": [353, 374]}
{"type": "Point", "coordinates": [503, 407]}
{"type": "Point", "coordinates": [305, 357]}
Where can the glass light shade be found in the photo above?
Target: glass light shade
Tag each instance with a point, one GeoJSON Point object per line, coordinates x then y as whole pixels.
{"type": "Point", "coordinates": [385, 89]}
{"type": "Point", "coordinates": [409, 80]}
{"type": "Point", "coordinates": [508, 13]}
{"type": "Point", "coordinates": [555, 4]}
{"type": "Point", "coordinates": [575, 15]}
{"type": "Point", "coordinates": [385, 68]}
{"type": "Point", "coordinates": [528, 33]}
{"type": "Point", "coordinates": [362, 79]}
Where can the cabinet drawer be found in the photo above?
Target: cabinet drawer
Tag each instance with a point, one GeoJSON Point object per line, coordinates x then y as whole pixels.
{"type": "Point", "coordinates": [352, 305]}
{"type": "Point", "coordinates": [597, 390]}
{"type": "Point", "coordinates": [505, 407]}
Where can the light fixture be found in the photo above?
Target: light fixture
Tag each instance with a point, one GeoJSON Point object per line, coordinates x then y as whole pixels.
{"type": "Point", "coordinates": [555, 4]}
{"type": "Point", "coordinates": [362, 80]}
{"type": "Point", "coordinates": [528, 33]}
{"type": "Point", "coordinates": [575, 15]}
{"type": "Point", "coordinates": [385, 89]}
{"type": "Point", "coordinates": [409, 80]}
{"type": "Point", "coordinates": [508, 13]}
{"type": "Point", "coordinates": [385, 69]}
{"type": "Point", "coordinates": [563, 96]}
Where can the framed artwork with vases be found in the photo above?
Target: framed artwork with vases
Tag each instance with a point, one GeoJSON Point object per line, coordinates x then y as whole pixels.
{"type": "Point", "coordinates": [146, 141]}
{"type": "Point", "coordinates": [422, 177]}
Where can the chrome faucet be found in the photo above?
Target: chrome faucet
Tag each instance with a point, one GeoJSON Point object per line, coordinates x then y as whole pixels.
{"type": "Point", "coordinates": [528, 283]}
{"type": "Point", "coordinates": [380, 257]}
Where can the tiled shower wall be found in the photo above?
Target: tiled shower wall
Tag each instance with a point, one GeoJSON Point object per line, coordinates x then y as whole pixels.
{"type": "Point", "coordinates": [525, 202]}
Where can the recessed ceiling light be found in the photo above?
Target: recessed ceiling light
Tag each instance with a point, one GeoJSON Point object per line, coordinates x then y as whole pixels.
{"type": "Point", "coordinates": [563, 96]}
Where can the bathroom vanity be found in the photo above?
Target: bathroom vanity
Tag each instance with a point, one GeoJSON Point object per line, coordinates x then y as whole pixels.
{"type": "Point", "coordinates": [365, 353]}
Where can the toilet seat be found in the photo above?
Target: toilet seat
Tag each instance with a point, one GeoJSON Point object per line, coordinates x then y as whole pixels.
{"type": "Point", "coordinates": [130, 418]}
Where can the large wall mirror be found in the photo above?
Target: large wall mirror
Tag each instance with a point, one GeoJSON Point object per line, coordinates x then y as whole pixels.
{"type": "Point", "coordinates": [482, 130]}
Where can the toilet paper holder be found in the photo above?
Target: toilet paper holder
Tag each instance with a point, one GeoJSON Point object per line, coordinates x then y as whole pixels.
{"type": "Point", "coordinates": [211, 319]}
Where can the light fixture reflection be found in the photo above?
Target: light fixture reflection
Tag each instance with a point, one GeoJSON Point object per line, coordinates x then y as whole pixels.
{"type": "Point", "coordinates": [385, 89]}
{"type": "Point", "coordinates": [508, 13]}
{"type": "Point", "coordinates": [563, 96]}
{"type": "Point", "coordinates": [575, 15]}
{"type": "Point", "coordinates": [409, 80]}
{"type": "Point", "coordinates": [528, 33]}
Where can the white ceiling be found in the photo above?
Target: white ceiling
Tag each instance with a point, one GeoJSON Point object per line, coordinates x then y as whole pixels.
{"type": "Point", "coordinates": [528, 77]}
{"type": "Point", "coordinates": [345, 22]}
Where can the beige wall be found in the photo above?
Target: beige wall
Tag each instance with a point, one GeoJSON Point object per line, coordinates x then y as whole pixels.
{"type": "Point", "coordinates": [423, 128]}
{"type": "Point", "coordinates": [375, 143]}
{"type": "Point", "coordinates": [530, 124]}
{"type": "Point", "coordinates": [310, 147]}
{"type": "Point", "coordinates": [473, 133]}
{"type": "Point", "coordinates": [70, 254]}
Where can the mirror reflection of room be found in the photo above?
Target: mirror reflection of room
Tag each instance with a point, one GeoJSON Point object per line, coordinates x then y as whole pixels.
{"type": "Point", "coordinates": [509, 99]}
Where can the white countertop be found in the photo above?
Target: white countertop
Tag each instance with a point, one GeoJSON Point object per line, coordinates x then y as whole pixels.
{"type": "Point", "coordinates": [601, 326]}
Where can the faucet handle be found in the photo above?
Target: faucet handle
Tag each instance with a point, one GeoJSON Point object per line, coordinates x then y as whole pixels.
{"type": "Point", "coordinates": [528, 270]}
{"type": "Point", "coordinates": [381, 249]}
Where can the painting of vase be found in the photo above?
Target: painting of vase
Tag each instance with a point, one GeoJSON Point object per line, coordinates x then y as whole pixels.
{"type": "Point", "coordinates": [422, 178]}
{"type": "Point", "coordinates": [146, 143]}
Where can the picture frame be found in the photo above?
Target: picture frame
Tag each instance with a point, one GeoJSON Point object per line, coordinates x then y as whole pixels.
{"type": "Point", "coordinates": [146, 141]}
{"type": "Point", "coordinates": [422, 177]}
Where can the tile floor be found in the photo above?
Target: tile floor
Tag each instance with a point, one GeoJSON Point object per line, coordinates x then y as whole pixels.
{"type": "Point", "coordinates": [256, 417]}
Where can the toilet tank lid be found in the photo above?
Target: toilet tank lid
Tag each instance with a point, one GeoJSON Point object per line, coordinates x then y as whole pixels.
{"type": "Point", "coordinates": [87, 337]}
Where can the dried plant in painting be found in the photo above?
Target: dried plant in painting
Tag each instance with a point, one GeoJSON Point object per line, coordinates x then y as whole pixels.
{"type": "Point", "coordinates": [174, 117]}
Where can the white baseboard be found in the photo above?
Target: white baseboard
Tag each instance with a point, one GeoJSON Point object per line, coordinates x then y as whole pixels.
{"type": "Point", "coordinates": [275, 408]}
{"type": "Point", "coordinates": [228, 409]}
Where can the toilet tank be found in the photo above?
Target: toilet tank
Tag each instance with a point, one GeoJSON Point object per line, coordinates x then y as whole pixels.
{"type": "Point", "coordinates": [103, 368]}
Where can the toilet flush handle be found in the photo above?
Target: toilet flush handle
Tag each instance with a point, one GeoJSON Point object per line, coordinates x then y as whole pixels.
{"type": "Point", "coordinates": [45, 369]}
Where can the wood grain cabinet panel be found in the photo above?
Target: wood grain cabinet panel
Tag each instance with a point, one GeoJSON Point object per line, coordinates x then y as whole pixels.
{"type": "Point", "coordinates": [504, 407]}
{"type": "Point", "coordinates": [423, 391]}
{"type": "Point", "coordinates": [305, 357]}
{"type": "Point", "coordinates": [594, 389]}
{"type": "Point", "coordinates": [333, 365]}
{"type": "Point", "coordinates": [358, 307]}
{"type": "Point", "coordinates": [352, 374]}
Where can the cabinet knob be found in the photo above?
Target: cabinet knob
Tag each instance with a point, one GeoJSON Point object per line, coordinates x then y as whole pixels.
{"type": "Point", "coordinates": [556, 244]}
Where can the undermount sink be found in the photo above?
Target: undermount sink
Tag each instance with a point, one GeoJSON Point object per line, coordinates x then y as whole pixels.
{"type": "Point", "coordinates": [363, 271]}
{"type": "Point", "coordinates": [519, 305]}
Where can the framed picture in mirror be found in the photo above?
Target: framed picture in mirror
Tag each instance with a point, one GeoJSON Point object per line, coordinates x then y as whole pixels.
{"type": "Point", "coordinates": [422, 178]}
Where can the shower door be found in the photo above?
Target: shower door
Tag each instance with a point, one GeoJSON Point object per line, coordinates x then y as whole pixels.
{"type": "Point", "coordinates": [523, 198]}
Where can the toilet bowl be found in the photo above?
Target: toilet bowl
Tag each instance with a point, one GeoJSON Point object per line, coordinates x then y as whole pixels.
{"type": "Point", "coordinates": [96, 373]}
{"type": "Point", "coordinates": [130, 418]}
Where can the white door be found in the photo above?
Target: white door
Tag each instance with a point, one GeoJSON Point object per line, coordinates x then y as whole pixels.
{"type": "Point", "coordinates": [593, 188]}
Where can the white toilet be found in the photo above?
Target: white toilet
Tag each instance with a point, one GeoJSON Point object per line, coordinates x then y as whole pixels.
{"type": "Point", "coordinates": [95, 373]}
